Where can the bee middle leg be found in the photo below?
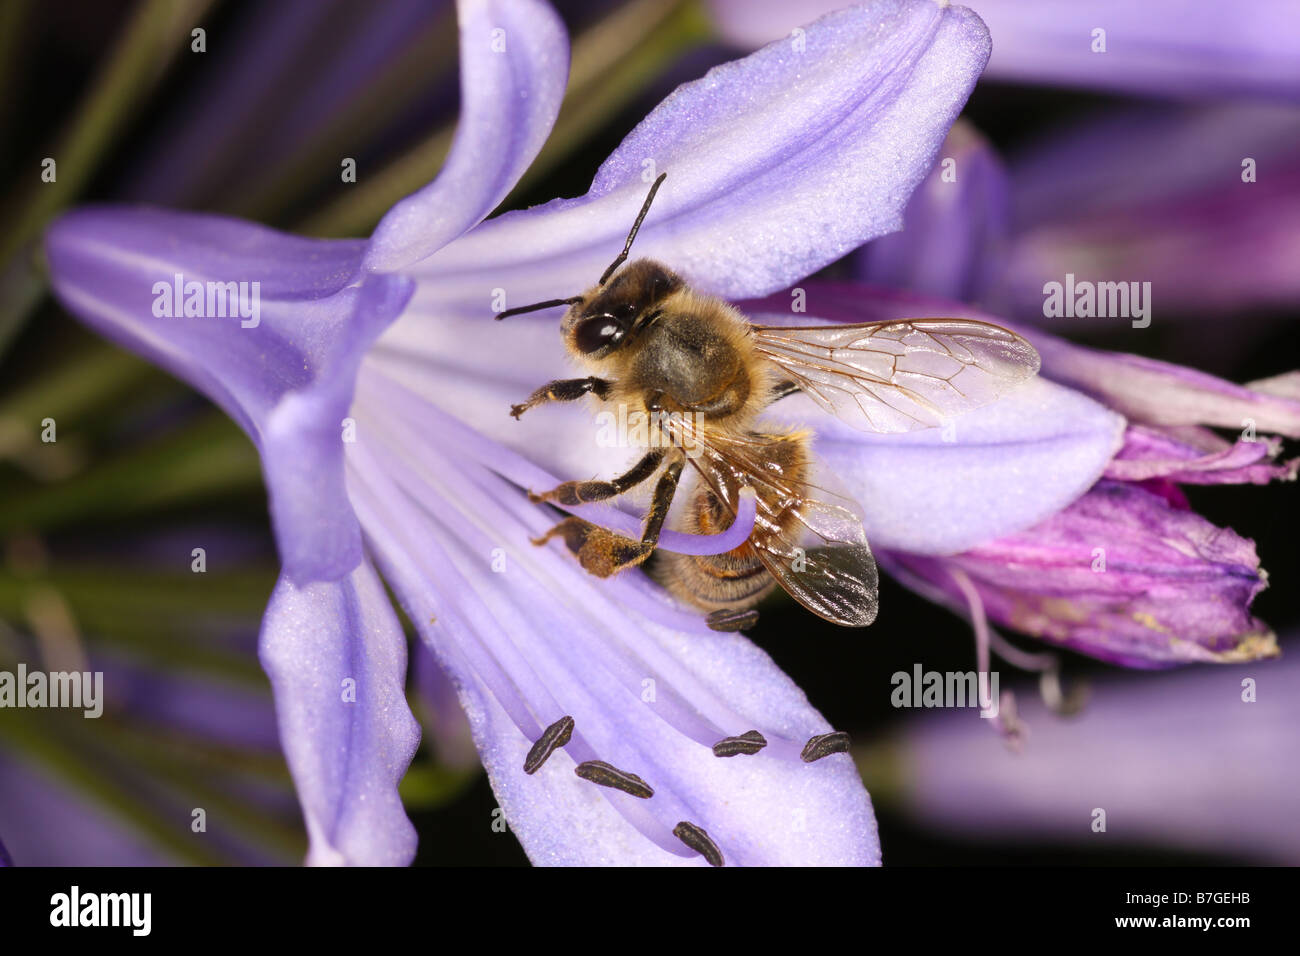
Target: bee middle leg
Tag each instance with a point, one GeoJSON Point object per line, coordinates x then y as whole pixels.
{"type": "Point", "coordinates": [585, 492]}
{"type": "Point", "coordinates": [602, 552]}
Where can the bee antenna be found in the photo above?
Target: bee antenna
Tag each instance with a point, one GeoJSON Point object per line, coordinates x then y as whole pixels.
{"type": "Point", "coordinates": [645, 208]}
{"type": "Point", "coordinates": [536, 306]}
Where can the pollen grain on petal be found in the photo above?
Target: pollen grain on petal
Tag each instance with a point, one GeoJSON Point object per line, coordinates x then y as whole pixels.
{"type": "Point", "coordinates": [552, 738]}
{"type": "Point", "coordinates": [698, 840]}
{"type": "Point", "coordinates": [607, 775]}
{"type": "Point", "coordinates": [750, 742]}
{"type": "Point", "coordinates": [823, 745]}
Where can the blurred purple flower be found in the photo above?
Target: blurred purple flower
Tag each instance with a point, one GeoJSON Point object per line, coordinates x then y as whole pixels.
{"type": "Point", "coordinates": [1145, 194]}
{"type": "Point", "coordinates": [1170, 48]}
{"type": "Point", "coordinates": [1182, 761]}
{"type": "Point", "coordinates": [779, 164]}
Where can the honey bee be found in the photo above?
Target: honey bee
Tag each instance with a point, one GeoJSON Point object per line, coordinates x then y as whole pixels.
{"type": "Point", "coordinates": [701, 373]}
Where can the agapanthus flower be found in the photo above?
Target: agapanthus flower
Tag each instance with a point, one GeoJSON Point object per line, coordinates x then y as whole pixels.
{"type": "Point", "coordinates": [377, 392]}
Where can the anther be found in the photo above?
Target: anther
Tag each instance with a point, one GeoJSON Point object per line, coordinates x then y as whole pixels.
{"type": "Point", "coordinates": [695, 838]}
{"type": "Point", "coordinates": [607, 775]}
{"type": "Point", "coordinates": [750, 742]}
{"type": "Point", "coordinates": [552, 738]}
{"type": "Point", "coordinates": [823, 745]}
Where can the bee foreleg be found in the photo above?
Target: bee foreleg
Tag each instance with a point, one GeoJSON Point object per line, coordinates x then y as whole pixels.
{"type": "Point", "coordinates": [584, 492]}
{"type": "Point", "coordinates": [563, 390]}
{"type": "Point", "coordinates": [602, 552]}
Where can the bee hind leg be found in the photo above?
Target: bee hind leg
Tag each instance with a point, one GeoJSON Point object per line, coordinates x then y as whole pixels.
{"type": "Point", "coordinates": [600, 551]}
{"type": "Point", "coordinates": [730, 619]}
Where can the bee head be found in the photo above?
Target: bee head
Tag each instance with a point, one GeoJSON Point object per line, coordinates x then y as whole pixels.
{"type": "Point", "coordinates": [608, 317]}
{"type": "Point", "coordinates": [594, 329]}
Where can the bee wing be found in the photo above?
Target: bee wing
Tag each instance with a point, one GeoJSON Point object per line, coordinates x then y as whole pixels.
{"type": "Point", "coordinates": [902, 375]}
{"type": "Point", "coordinates": [808, 537]}
{"type": "Point", "coordinates": [825, 563]}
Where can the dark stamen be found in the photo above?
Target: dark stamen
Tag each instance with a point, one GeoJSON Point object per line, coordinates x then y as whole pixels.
{"type": "Point", "coordinates": [607, 775]}
{"type": "Point", "coordinates": [823, 745]}
{"type": "Point", "coordinates": [552, 738]}
{"type": "Point", "coordinates": [750, 742]}
{"type": "Point", "coordinates": [695, 838]}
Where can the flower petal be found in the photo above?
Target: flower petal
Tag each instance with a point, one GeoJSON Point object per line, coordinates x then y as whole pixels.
{"type": "Point", "coordinates": [514, 62]}
{"type": "Point", "coordinates": [529, 637]}
{"type": "Point", "coordinates": [336, 656]}
{"type": "Point", "coordinates": [285, 372]}
{"type": "Point", "coordinates": [777, 164]}
{"type": "Point", "coordinates": [1121, 575]}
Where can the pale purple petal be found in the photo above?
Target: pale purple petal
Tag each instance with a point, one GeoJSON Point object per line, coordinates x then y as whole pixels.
{"type": "Point", "coordinates": [777, 164]}
{"type": "Point", "coordinates": [1122, 575]}
{"type": "Point", "coordinates": [284, 373]}
{"type": "Point", "coordinates": [514, 61]}
{"type": "Point", "coordinates": [1198, 456]}
{"type": "Point", "coordinates": [336, 656]}
{"type": "Point", "coordinates": [1180, 760]}
{"type": "Point", "coordinates": [528, 637]}
{"type": "Point", "coordinates": [1161, 47]}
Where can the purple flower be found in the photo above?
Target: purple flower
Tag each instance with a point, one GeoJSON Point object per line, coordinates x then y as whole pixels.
{"type": "Point", "coordinates": [1205, 759]}
{"type": "Point", "coordinates": [376, 391]}
{"type": "Point", "coordinates": [1162, 47]}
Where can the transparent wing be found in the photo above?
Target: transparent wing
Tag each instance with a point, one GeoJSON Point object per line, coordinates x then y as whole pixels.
{"type": "Point", "coordinates": [809, 538]}
{"type": "Point", "coordinates": [903, 375]}
{"type": "Point", "coordinates": [824, 563]}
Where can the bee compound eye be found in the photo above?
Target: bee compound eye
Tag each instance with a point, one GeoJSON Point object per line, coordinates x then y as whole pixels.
{"type": "Point", "coordinates": [596, 333]}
